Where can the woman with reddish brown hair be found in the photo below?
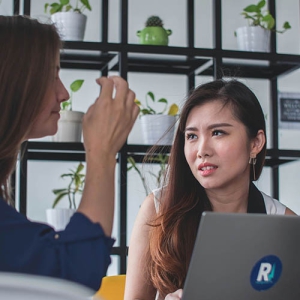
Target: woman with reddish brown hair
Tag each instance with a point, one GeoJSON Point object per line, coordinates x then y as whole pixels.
{"type": "Point", "coordinates": [30, 96]}
{"type": "Point", "coordinates": [218, 151]}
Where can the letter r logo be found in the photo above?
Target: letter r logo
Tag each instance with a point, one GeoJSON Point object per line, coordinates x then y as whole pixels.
{"type": "Point", "coordinates": [264, 271]}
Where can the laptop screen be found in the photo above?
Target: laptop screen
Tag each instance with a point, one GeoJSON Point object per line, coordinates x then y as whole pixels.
{"type": "Point", "coordinates": [245, 256]}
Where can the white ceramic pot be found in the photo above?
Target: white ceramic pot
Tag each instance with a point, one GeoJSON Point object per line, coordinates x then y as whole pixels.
{"type": "Point", "coordinates": [70, 25]}
{"type": "Point", "coordinates": [158, 129]}
{"type": "Point", "coordinates": [69, 127]}
{"type": "Point", "coordinates": [58, 218]}
{"type": "Point", "coordinates": [253, 38]}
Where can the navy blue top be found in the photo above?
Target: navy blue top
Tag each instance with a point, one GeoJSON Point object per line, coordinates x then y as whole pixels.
{"type": "Point", "coordinates": [80, 253]}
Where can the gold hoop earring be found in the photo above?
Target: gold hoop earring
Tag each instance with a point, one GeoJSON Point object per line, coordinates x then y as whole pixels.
{"type": "Point", "coordinates": [252, 161]}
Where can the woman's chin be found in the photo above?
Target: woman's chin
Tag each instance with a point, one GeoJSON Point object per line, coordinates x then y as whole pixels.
{"type": "Point", "coordinates": [37, 134]}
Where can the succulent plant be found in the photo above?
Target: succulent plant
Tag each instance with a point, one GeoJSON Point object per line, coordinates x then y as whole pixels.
{"type": "Point", "coordinates": [154, 21]}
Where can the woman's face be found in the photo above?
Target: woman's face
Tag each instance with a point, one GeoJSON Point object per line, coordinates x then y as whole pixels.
{"type": "Point", "coordinates": [46, 122]}
{"type": "Point", "coordinates": [217, 147]}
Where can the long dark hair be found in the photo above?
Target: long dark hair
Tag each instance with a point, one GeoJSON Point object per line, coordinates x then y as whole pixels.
{"type": "Point", "coordinates": [27, 55]}
{"type": "Point", "coordinates": [173, 232]}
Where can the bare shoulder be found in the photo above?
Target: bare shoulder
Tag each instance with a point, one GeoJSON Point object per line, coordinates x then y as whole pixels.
{"type": "Point", "coordinates": [290, 212]}
{"type": "Point", "coordinates": [147, 210]}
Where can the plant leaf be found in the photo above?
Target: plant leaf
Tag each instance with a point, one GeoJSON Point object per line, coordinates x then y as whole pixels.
{"type": "Point", "coordinates": [64, 2]}
{"type": "Point", "coordinates": [68, 8]}
{"type": "Point", "coordinates": [45, 7]}
{"type": "Point", "coordinates": [55, 7]}
{"type": "Point", "coordinates": [251, 8]}
{"type": "Point", "coordinates": [146, 111]}
{"type": "Point", "coordinates": [67, 175]}
{"type": "Point", "coordinates": [137, 102]}
{"type": "Point", "coordinates": [163, 100]}
{"type": "Point", "coordinates": [86, 3]}
{"type": "Point", "coordinates": [151, 95]}
{"type": "Point", "coordinates": [80, 168]}
{"type": "Point", "coordinates": [58, 198]}
{"type": "Point", "coordinates": [58, 191]}
{"type": "Point", "coordinates": [65, 105]}
{"type": "Point", "coordinates": [286, 25]}
{"type": "Point", "coordinates": [269, 20]}
{"type": "Point", "coordinates": [76, 85]}
{"type": "Point", "coordinates": [261, 4]}
{"type": "Point", "coordinates": [173, 110]}
{"type": "Point", "coordinates": [131, 160]}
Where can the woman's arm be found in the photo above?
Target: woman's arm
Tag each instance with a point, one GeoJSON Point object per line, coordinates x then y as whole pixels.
{"type": "Point", "coordinates": [80, 253]}
{"type": "Point", "coordinates": [138, 285]}
{"type": "Point", "coordinates": [106, 126]}
{"type": "Point", "coordinates": [289, 212]}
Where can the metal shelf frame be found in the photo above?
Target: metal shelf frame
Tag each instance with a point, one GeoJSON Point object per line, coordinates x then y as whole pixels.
{"type": "Point", "coordinates": [190, 61]}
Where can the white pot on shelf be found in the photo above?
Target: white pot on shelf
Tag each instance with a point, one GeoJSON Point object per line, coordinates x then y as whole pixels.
{"type": "Point", "coordinates": [71, 25]}
{"type": "Point", "coordinates": [158, 129]}
{"type": "Point", "coordinates": [253, 38]}
{"type": "Point", "coordinates": [58, 218]}
{"type": "Point", "coordinates": [69, 127]}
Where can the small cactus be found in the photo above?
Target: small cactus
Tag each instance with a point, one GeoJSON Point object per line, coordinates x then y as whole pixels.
{"type": "Point", "coordinates": [154, 21]}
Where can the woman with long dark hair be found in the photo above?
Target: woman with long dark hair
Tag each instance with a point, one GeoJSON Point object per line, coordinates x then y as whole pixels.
{"type": "Point", "coordinates": [30, 96]}
{"type": "Point", "coordinates": [218, 151]}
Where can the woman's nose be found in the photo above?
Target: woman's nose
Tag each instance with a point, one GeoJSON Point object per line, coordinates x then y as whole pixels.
{"type": "Point", "coordinates": [63, 94]}
{"type": "Point", "coordinates": [203, 148]}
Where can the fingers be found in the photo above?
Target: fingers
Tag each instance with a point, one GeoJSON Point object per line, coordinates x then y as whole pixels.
{"type": "Point", "coordinates": [123, 95]}
{"type": "Point", "coordinates": [136, 108]}
{"type": "Point", "coordinates": [107, 87]}
{"type": "Point", "coordinates": [113, 113]}
{"type": "Point", "coordinates": [174, 296]}
{"type": "Point", "coordinates": [109, 83]}
{"type": "Point", "coordinates": [121, 86]}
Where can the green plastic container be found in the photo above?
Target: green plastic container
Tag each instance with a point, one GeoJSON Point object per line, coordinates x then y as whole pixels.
{"type": "Point", "coordinates": [155, 35]}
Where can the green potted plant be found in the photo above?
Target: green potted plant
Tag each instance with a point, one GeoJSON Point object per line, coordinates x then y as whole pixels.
{"type": "Point", "coordinates": [154, 33]}
{"type": "Point", "coordinates": [160, 159]}
{"type": "Point", "coordinates": [59, 217]}
{"type": "Point", "coordinates": [256, 36]}
{"type": "Point", "coordinates": [157, 125]}
{"type": "Point", "coordinates": [70, 122]}
{"type": "Point", "coordinates": [69, 19]}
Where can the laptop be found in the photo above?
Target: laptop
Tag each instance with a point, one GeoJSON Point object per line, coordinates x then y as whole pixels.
{"type": "Point", "coordinates": [245, 256]}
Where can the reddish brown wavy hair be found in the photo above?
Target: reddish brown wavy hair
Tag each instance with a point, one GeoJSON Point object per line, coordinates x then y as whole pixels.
{"type": "Point", "coordinates": [173, 232]}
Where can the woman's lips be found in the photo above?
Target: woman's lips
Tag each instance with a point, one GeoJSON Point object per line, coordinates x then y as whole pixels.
{"type": "Point", "coordinates": [207, 169]}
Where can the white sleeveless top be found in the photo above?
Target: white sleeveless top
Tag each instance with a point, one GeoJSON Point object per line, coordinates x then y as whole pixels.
{"type": "Point", "coordinates": [273, 206]}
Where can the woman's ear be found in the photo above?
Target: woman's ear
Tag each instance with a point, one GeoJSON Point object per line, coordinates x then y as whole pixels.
{"type": "Point", "coordinates": [258, 142]}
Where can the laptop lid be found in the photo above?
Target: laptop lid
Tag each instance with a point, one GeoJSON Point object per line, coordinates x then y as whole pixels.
{"type": "Point", "coordinates": [245, 256]}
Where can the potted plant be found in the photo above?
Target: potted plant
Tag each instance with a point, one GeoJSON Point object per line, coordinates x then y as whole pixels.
{"type": "Point", "coordinates": [157, 127]}
{"type": "Point", "coordinates": [161, 159]}
{"type": "Point", "coordinates": [59, 217]}
{"type": "Point", "coordinates": [69, 20]}
{"type": "Point", "coordinates": [154, 33]}
{"type": "Point", "coordinates": [70, 122]}
{"type": "Point", "coordinates": [256, 36]}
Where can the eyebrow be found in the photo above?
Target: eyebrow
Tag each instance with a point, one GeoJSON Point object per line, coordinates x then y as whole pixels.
{"type": "Point", "coordinates": [212, 126]}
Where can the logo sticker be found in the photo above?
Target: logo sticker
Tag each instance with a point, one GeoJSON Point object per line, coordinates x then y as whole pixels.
{"type": "Point", "coordinates": [266, 272]}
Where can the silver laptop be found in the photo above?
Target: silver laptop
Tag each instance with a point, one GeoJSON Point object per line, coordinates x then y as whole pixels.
{"type": "Point", "coordinates": [245, 256]}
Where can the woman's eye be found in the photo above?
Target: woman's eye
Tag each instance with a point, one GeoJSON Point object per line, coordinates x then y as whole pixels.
{"type": "Point", "coordinates": [190, 136]}
{"type": "Point", "coordinates": [217, 132]}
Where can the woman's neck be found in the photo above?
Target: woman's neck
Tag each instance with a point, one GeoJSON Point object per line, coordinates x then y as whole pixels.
{"type": "Point", "coordinates": [231, 201]}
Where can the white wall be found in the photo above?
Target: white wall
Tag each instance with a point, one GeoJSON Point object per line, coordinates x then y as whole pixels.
{"type": "Point", "coordinates": [44, 176]}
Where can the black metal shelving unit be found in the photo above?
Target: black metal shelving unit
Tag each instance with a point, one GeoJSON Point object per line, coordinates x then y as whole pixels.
{"type": "Point", "coordinates": [189, 61]}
